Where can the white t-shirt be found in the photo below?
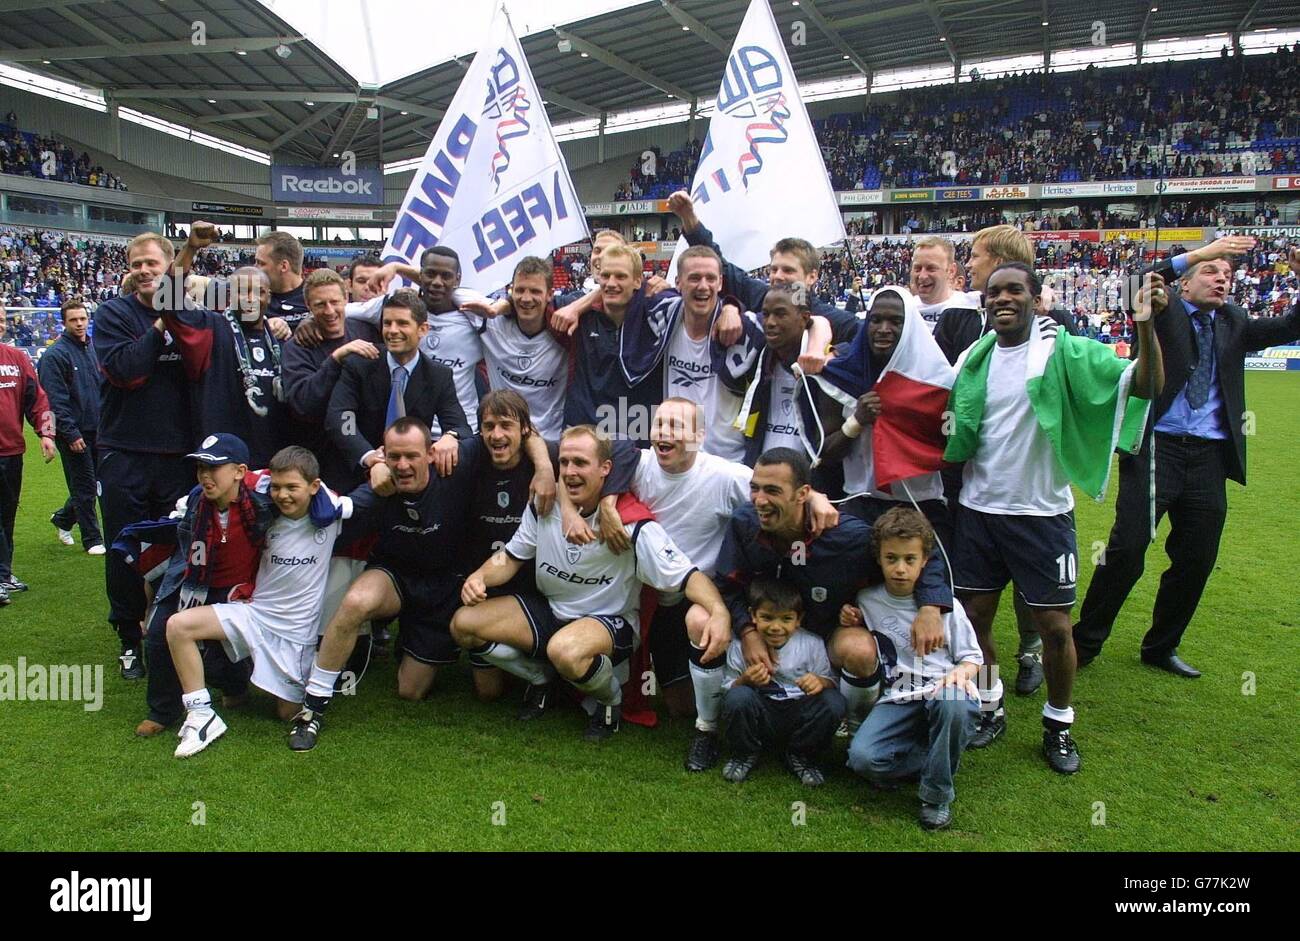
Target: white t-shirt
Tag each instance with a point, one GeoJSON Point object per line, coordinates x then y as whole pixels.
{"type": "Point", "coordinates": [291, 577]}
{"type": "Point", "coordinates": [694, 506]}
{"type": "Point", "coordinates": [906, 672]}
{"type": "Point", "coordinates": [781, 423]}
{"type": "Point", "coordinates": [1014, 470]}
{"type": "Point", "coordinates": [688, 369]}
{"type": "Point", "coordinates": [585, 580]}
{"type": "Point", "coordinates": [722, 439]}
{"type": "Point", "coordinates": [802, 654]}
{"type": "Point", "coordinates": [536, 367]}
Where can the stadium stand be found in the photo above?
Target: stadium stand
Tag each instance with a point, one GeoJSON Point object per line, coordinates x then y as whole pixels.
{"type": "Point", "coordinates": [1058, 128]}
{"type": "Point", "coordinates": [46, 158]}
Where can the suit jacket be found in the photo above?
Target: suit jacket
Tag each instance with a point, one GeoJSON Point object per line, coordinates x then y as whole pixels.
{"type": "Point", "coordinates": [1235, 335]}
{"type": "Point", "coordinates": [356, 416]}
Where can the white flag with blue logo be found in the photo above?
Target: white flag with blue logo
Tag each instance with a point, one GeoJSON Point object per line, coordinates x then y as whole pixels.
{"type": "Point", "coordinates": [761, 176]}
{"type": "Point", "coordinates": [493, 184]}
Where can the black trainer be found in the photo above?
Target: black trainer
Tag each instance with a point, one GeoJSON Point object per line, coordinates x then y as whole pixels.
{"type": "Point", "coordinates": [132, 665]}
{"type": "Point", "coordinates": [805, 769]}
{"type": "Point", "coordinates": [737, 769]}
{"type": "Point", "coordinates": [13, 585]}
{"type": "Point", "coordinates": [305, 730]}
{"type": "Point", "coordinates": [536, 698]}
{"type": "Point", "coordinates": [1030, 674]}
{"type": "Point", "coordinates": [1060, 751]}
{"type": "Point", "coordinates": [991, 725]}
{"type": "Point", "coordinates": [704, 751]}
{"type": "Point", "coordinates": [935, 816]}
{"type": "Point", "coordinates": [604, 722]}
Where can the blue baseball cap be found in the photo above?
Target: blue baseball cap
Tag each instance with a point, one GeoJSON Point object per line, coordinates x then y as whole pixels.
{"type": "Point", "coordinates": [220, 449]}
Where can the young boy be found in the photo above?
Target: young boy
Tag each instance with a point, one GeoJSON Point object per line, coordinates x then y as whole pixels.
{"type": "Point", "coordinates": [218, 544]}
{"type": "Point", "coordinates": [278, 628]}
{"type": "Point", "coordinates": [799, 704]}
{"type": "Point", "coordinates": [927, 714]}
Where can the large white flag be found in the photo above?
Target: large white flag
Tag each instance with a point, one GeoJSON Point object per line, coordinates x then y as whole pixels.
{"type": "Point", "coordinates": [761, 176]}
{"type": "Point", "coordinates": [493, 184]}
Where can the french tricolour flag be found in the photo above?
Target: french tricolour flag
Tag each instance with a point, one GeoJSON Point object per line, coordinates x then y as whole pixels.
{"type": "Point", "coordinates": [907, 440]}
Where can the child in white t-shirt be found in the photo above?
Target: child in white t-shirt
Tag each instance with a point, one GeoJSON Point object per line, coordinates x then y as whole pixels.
{"type": "Point", "coordinates": [928, 710]}
{"type": "Point", "coordinates": [278, 627]}
{"type": "Point", "coordinates": [797, 704]}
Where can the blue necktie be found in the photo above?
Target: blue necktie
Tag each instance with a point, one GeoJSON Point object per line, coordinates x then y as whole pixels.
{"type": "Point", "coordinates": [1198, 386]}
{"type": "Point", "coordinates": [397, 396]}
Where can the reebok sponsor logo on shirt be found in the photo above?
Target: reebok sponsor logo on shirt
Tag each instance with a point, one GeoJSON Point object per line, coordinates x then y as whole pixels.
{"type": "Point", "coordinates": [103, 894]}
{"type": "Point", "coordinates": [573, 577]}
{"type": "Point", "coordinates": [521, 380]}
{"type": "Point", "coordinates": [293, 560]}
{"type": "Point", "coordinates": [688, 373]}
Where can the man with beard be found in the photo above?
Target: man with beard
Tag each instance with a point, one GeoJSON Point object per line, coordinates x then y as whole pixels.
{"type": "Point", "coordinates": [793, 261]}
{"type": "Point", "coordinates": [233, 364]}
{"type": "Point", "coordinates": [772, 536]}
{"type": "Point", "coordinates": [1016, 390]}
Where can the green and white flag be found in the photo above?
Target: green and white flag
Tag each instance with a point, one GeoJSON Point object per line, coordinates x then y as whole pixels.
{"type": "Point", "coordinates": [1080, 392]}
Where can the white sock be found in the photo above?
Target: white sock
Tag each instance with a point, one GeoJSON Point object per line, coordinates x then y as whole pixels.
{"type": "Point", "coordinates": [515, 661]}
{"type": "Point", "coordinates": [1065, 715]}
{"type": "Point", "coordinates": [601, 684]}
{"type": "Point", "coordinates": [708, 690]}
{"type": "Point", "coordinates": [321, 682]}
{"type": "Point", "coordinates": [197, 701]}
{"type": "Point", "coordinates": [860, 693]}
{"type": "Point", "coordinates": [989, 698]}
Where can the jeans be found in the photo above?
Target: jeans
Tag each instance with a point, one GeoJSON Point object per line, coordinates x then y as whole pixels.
{"type": "Point", "coordinates": [900, 740]}
{"type": "Point", "coordinates": [752, 721]}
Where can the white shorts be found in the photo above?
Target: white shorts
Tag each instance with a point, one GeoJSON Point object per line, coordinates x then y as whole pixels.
{"type": "Point", "coordinates": [280, 666]}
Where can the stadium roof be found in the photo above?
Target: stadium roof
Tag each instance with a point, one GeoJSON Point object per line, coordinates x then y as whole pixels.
{"type": "Point", "coordinates": [257, 81]}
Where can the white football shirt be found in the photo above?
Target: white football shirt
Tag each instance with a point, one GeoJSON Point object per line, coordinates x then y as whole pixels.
{"type": "Point", "coordinates": [587, 580]}
{"type": "Point", "coordinates": [536, 367]}
{"type": "Point", "coordinates": [1014, 470]}
{"type": "Point", "coordinates": [688, 369]}
{"type": "Point", "coordinates": [781, 423]}
{"type": "Point", "coordinates": [291, 577]}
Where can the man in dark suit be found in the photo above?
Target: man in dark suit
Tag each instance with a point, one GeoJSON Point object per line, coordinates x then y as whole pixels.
{"type": "Point", "coordinates": [1199, 444]}
{"type": "Point", "coordinates": [371, 394]}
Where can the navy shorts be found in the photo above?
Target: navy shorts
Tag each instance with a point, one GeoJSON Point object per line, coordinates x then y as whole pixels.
{"type": "Point", "coordinates": [670, 644]}
{"type": "Point", "coordinates": [1038, 553]}
{"type": "Point", "coordinates": [546, 625]}
{"type": "Point", "coordinates": [425, 617]}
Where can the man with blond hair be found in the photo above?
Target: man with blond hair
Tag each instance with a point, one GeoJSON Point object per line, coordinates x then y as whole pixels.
{"type": "Point", "coordinates": [933, 274]}
{"type": "Point", "coordinates": [145, 426]}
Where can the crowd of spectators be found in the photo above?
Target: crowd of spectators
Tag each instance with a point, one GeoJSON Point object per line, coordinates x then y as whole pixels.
{"type": "Point", "coordinates": [670, 173]}
{"type": "Point", "coordinates": [1089, 276]}
{"type": "Point", "coordinates": [1207, 118]}
{"type": "Point", "coordinates": [28, 154]}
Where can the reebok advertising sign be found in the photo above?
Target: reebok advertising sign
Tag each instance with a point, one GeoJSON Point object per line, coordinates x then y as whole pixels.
{"type": "Point", "coordinates": [339, 184]}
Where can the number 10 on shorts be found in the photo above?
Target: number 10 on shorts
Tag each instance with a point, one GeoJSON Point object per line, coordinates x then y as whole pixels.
{"type": "Point", "coordinates": [1068, 568]}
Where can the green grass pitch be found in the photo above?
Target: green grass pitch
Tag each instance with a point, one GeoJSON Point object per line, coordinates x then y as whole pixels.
{"type": "Point", "coordinates": [1168, 764]}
